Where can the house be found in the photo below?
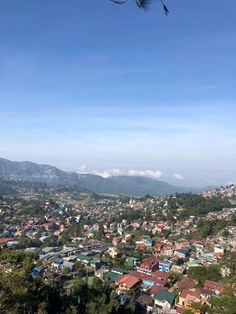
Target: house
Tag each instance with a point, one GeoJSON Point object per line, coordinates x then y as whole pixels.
{"type": "Point", "coordinates": [161, 275]}
{"type": "Point", "coordinates": [36, 271]}
{"type": "Point", "coordinates": [155, 288]}
{"type": "Point", "coordinates": [164, 300]}
{"type": "Point", "coordinates": [116, 240]}
{"type": "Point", "coordinates": [43, 238]}
{"type": "Point", "coordinates": [178, 269]}
{"type": "Point", "coordinates": [148, 266]}
{"type": "Point", "coordinates": [187, 297]}
{"type": "Point", "coordinates": [167, 250]}
{"type": "Point", "coordinates": [149, 280]}
{"type": "Point", "coordinates": [84, 259]}
{"type": "Point", "coordinates": [4, 241]}
{"type": "Point", "coordinates": [100, 272]}
{"type": "Point", "coordinates": [181, 253]}
{"type": "Point", "coordinates": [127, 282]}
{"type": "Point", "coordinates": [113, 274]}
{"type": "Point", "coordinates": [165, 265]}
{"type": "Point", "coordinates": [146, 301]}
{"type": "Point", "coordinates": [194, 263]}
{"type": "Point", "coordinates": [95, 263]}
{"type": "Point", "coordinates": [113, 252]}
{"type": "Point", "coordinates": [110, 276]}
{"type": "Point", "coordinates": [12, 244]}
{"type": "Point", "coordinates": [219, 251]}
{"type": "Point", "coordinates": [118, 270]}
{"type": "Point", "coordinates": [68, 265]}
{"type": "Point", "coordinates": [187, 283]}
{"type": "Point", "coordinates": [122, 297]}
{"type": "Point", "coordinates": [131, 262]}
{"type": "Point", "coordinates": [147, 241]}
{"type": "Point", "coordinates": [57, 262]}
{"type": "Point", "coordinates": [51, 275]}
{"type": "Point", "coordinates": [216, 287]}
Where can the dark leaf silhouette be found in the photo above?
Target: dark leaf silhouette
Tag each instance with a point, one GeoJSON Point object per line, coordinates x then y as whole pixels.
{"type": "Point", "coordinates": [165, 8]}
{"type": "Point", "coordinates": [119, 2]}
{"type": "Point", "coordinates": [143, 4]}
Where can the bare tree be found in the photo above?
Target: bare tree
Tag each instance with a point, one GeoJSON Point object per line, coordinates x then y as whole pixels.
{"type": "Point", "coordinates": [142, 4]}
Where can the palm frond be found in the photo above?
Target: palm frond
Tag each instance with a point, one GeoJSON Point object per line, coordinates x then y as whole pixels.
{"type": "Point", "coordinates": [165, 8]}
{"type": "Point", "coordinates": [143, 4]}
{"type": "Point", "coordinates": [119, 1]}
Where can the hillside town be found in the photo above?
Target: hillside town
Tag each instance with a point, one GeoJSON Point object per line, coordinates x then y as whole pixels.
{"type": "Point", "coordinates": [153, 252]}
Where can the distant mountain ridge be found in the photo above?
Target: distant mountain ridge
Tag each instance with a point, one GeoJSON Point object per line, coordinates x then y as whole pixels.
{"type": "Point", "coordinates": [126, 185]}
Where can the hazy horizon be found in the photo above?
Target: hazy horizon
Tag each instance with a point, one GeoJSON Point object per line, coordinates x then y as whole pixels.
{"type": "Point", "coordinates": [194, 178]}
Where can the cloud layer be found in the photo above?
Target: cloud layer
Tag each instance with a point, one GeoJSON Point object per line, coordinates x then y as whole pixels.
{"type": "Point", "coordinates": [178, 176]}
{"type": "Point", "coordinates": [145, 173]}
{"type": "Point", "coordinates": [132, 172]}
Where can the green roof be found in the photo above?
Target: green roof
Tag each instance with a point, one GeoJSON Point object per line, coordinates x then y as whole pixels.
{"type": "Point", "coordinates": [94, 261]}
{"type": "Point", "coordinates": [111, 276]}
{"type": "Point", "coordinates": [130, 261]}
{"type": "Point", "coordinates": [119, 270]}
{"type": "Point", "coordinates": [194, 264]}
{"type": "Point", "coordinates": [131, 258]}
{"type": "Point", "coordinates": [90, 281]}
{"type": "Point", "coordinates": [83, 257]}
{"type": "Point", "coordinates": [163, 295]}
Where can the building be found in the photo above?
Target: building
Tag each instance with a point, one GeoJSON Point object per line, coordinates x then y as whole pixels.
{"type": "Point", "coordinates": [187, 297]}
{"type": "Point", "coordinates": [148, 266]}
{"type": "Point", "coordinates": [131, 262]}
{"type": "Point", "coordinates": [164, 300]}
{"type": "Point", "coordinates": [165, 265]}
{"type": "Point", "coordinates": [181, 253]}
{"type": "Point", "coordinates": [216, 287]}
{"type": "Point", "coordinates": [127, 282]}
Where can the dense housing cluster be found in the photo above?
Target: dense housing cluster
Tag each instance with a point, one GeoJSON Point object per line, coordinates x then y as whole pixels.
{"type": "Point", "coordinates": [168, 255]}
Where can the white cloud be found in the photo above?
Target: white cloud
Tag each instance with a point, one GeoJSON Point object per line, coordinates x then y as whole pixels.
{"type": "Point", "coordinates": [116, 172]}
{"type": "Point", "coordinates": [145, 173]}
{"type": "Point", "coordinates": [79, 169]}
{"type": "Point", "coordinates": [104, 174]}
{"type": "Point", "coordinates": [231, 182]}
{"type": "Point", "coordinates": [178, 176]}
{"type": "Point", "coordinates": [82, 167]}
{"type": "Point", "coordinates": [107, 173]}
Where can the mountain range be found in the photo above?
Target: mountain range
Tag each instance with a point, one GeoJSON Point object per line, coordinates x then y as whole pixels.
{"type": "Point", "coordinates": [125, 185]}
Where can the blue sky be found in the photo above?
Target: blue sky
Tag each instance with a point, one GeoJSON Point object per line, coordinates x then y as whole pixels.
{"type": "Point", "coordinates": [96, 87]}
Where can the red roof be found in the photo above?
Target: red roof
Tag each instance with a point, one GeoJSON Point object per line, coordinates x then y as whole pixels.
{"type": "Point", "coordinates": [148, 278]}
{"type": "Point", "coordinates": [219, 254]}
{"type": "Point", "coordinates": [128, 280]}
{"type": "Point", "coordinates": [115, 239]}
{"type": "Point", "coordinates": [140, 246]}
{"type": "Point", "coordinates": [155, 288]}
{"type": "Point", "coordinates": [208, 284]}
{"type": "Point", "coordinates": [179, 309]}
{"type": "Point", "coordinates": [5, 240]}
{"type": "Point", "coordinates": [161, 275]}
{"type": "Point", "coordinates": [193, 292]}
{"type": "Point", "coordinates": [187, 283]}
{"type": "Point", "coordinates": [149, 261]}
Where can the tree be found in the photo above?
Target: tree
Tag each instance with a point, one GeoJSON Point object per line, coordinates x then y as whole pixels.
{"type": "Point", "coordinates": [223, 304]}
{"type": "Point", "coordinates": [202, 273]}
{"type": "Point", "coordinates": [142, 4]}
{"type": "Point", "coordinates": [80, 269]}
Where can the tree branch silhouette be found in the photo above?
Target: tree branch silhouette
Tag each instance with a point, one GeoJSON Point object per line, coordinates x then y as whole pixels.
{"type": "Point", "coordinates": [143, 4]}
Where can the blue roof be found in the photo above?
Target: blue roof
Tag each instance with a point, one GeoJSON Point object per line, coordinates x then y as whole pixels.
{"type": "Point", "coordinates": [165, 262]}
{"type": "Point", "coordinates": [57, 260]}
{"type": "Point", "coordinates": [182, 251]}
